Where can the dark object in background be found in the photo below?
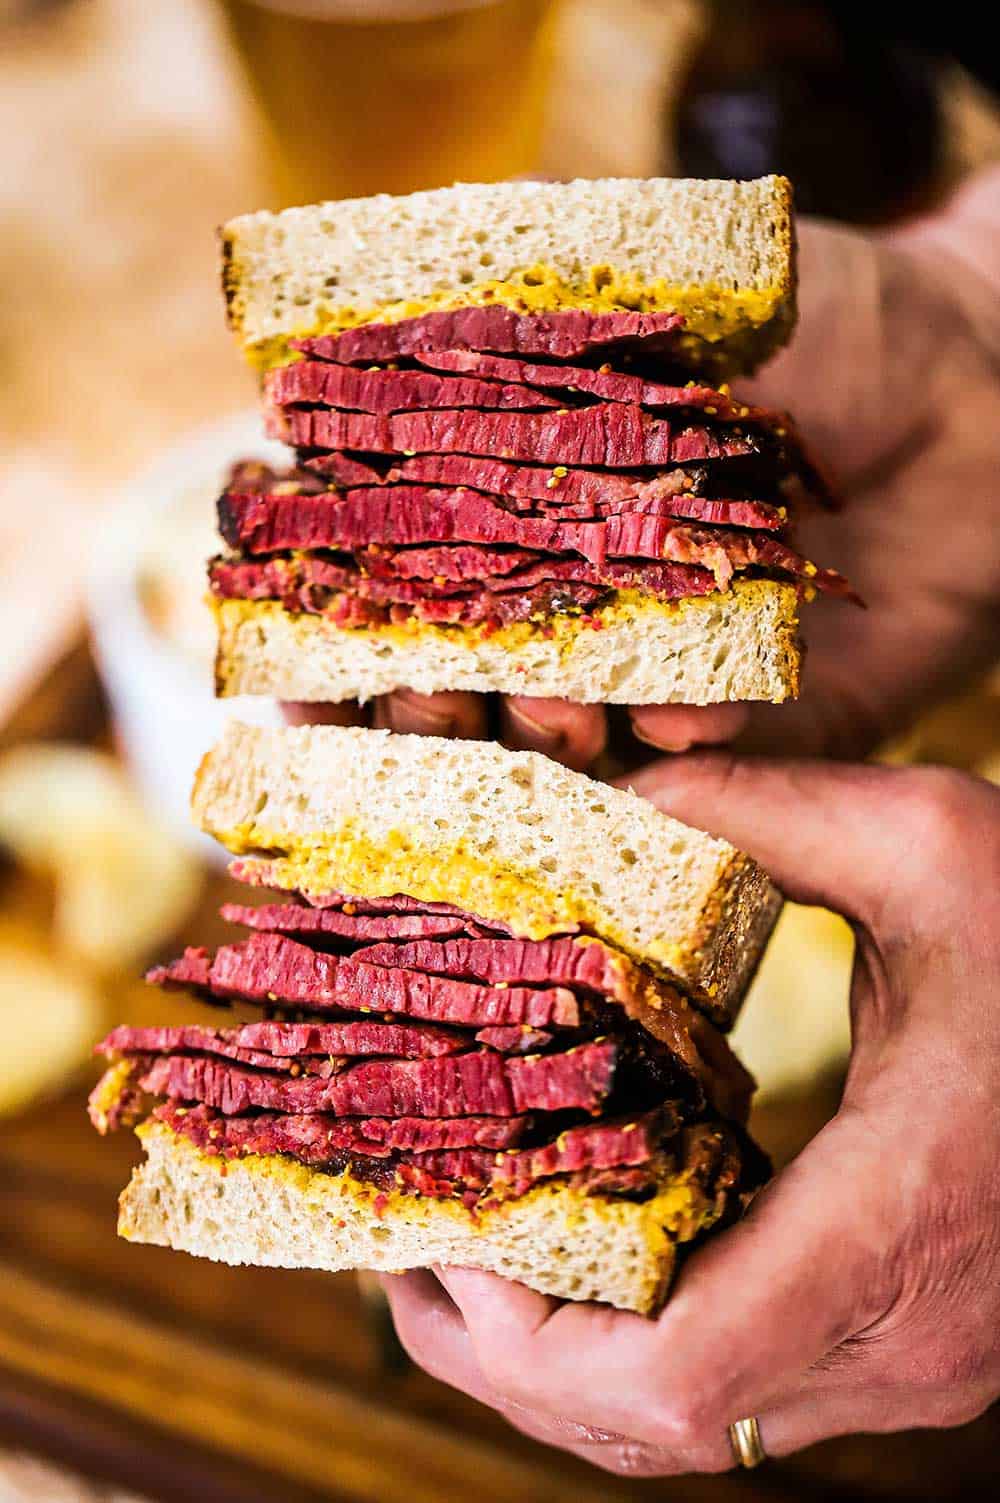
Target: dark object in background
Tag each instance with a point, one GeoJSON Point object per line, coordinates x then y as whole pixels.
{"type": "Point", "coordinates": [829, 95]}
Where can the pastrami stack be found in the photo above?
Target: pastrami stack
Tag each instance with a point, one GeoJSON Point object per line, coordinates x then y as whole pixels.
{"type": "Point", "coordinates": [413, 1059]}
{"type": "Point", "coordinates": [408, 1082]}
{"type": "Point", "coordinates": [487, 517]}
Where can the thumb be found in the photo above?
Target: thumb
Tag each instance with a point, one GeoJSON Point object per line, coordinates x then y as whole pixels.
{"type": "Point", "coordinates": [757, 1308]}
{"type": "Point", "coordinates": [829, 834]}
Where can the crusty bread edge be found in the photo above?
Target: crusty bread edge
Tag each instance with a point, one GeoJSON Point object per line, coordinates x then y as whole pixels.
{"type": "Point", "coordinates": [737, 923]}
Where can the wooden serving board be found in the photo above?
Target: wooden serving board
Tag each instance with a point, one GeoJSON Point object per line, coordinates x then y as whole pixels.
{"type": "Point", "coordinates": [186, 1379]}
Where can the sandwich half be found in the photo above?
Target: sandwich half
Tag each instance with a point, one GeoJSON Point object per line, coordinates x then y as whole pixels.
{"type": "Point", "coordinates": [513, 467]}
{"type": "Point", "coordinates": [452, 1039]}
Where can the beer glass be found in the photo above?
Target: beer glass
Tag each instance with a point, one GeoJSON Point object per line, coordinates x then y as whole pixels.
{"type": "Point", "coordinates": [393, 95]}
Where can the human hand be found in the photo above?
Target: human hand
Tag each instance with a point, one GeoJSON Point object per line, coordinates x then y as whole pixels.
{"type": "Point", "coordinates": [891, 378]}
{"type": "Point", "coordinates": [862, 1290]}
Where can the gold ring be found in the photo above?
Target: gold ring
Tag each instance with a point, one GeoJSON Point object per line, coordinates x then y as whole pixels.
{"type": "Point", "coordinates": [744, 1437]}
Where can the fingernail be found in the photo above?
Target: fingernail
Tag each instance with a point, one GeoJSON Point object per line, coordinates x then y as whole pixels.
{"type": "Point", "coordinates": [661, 743]}
{"type": "Point", "coordinates": [407, 712]}
{"type": "Point", "coordinates": [537, 737]}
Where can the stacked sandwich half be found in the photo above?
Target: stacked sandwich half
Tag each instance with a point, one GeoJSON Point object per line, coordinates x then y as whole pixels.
{"type": "Point", "coordinates": [480, 1021]}
{"type": "Point", "coordinates": [514, 468]}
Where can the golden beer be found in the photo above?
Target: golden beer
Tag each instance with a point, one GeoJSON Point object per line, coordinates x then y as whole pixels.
{"type": "Point", "coordinates": [363, 98]}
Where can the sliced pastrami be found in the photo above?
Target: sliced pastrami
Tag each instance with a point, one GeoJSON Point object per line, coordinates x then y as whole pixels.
{"type": "Point", "coordinates": [650, 554]}
{"type": "Point", "coordinates": [317, 1138]}
{"type": "Point", "coordinates": [141, 1043]}
{"type": "Point", "coordinates": [598, 1145]}
{"type": "Point", "coordinates": [492, 612]}
{"type": "Point", "coordinates": [565, 334]}
{"type": "Point", "coordinates": [342, 470]}
{"type": "Point", "coordinates": [400, 516]}
{"type": "Point", "coordinates": [637, 1181]}
{"type": "Point", "coordinates": [378, 391]}
{"type": "Point", "coordinates": [416, 516]}
{"type": "Point", "coordinates": [723, 551]}
{"type": "Point", "coordinates": [437, 1157]}
{"type": "Point", "coordinates": [720, 550]}
{"type": "Point", "coordinates": [478, 1083]}
{"type": "Point", "coordinates": [257, 872]}
{"type": "Point", "coordinates": [584, 963]}
{"type": "Point", "coordinates": [408, 577]}
{"type": "Point", "coordinates": [580, 1078]}
{"type": "Point", "coordinates": [353, 928]}
{"type": "Point", "coordinates": [608, 384]}
{"type": "Point", "coordinates": [308, 583]}
{"type": "Point", "coordinates": [468, 568]}
{"type": "Point", "coordinates": [270, 1040]}
{"type": "Point", "coordinates": [269, 968]}
{"type": "Point", "coordinates": [611, 385]}
{"type": "Point", "coordinates": [611, 435]}
{"type": "Point", "coordinates": [595, 969]}
{"type": "Point", "coordinates": [463, 564]}
{"type": "Point", "coordinates": [574, 492]}
{"type": "Point", "coordinates": [514, 1040]}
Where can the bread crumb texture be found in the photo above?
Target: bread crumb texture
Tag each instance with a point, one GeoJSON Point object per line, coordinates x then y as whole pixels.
{"type": "Point", "coordinates": [275, 1212]}
{"type": "Point", "coordinates": [732, 645]}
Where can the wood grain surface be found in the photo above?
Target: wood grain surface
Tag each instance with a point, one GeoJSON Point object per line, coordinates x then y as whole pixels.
{"type": "Point", "coordinates": [268, 1383]}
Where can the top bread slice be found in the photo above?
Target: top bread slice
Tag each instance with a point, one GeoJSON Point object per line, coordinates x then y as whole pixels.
{"type": "Point", "coordinates": [720, 253]}
{"type": "Point", "coordinates": [509, 836]}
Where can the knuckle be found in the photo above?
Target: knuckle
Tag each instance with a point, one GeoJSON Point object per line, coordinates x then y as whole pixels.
{"type": "Point", "coordinates": [939, 805]}
{"type": "Point", "coordinates": [686, 1422]}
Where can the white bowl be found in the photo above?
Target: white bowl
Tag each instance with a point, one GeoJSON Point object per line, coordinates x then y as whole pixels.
{"type": "Point", "coordinates": [160, 689]}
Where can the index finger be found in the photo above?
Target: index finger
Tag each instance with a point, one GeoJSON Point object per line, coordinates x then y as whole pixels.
{"type": "Point", "coordinates": [677, 728]}
{"type": "Point", "coordinates": [574, 734]}
{"type": "Point", "coordinates": [835, 834]}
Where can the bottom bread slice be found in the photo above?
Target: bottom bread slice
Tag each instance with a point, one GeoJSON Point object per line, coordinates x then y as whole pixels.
{"type": "Point", "coordinates": [738, 644]}
{"type": "Point", "coordinates": [275, 1212]}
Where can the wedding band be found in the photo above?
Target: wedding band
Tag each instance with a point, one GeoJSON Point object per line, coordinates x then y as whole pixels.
{"type": "Point", "coordinates": [744, 1437]}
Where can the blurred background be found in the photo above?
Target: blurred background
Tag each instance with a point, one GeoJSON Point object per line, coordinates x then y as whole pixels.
{"type": "Point", "coordinates": [127, 133]}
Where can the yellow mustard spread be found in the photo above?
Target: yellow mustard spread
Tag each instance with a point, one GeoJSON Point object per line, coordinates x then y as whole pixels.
{"type": "Point", "coordinates": [711, 312]}
{"type": "Point", "coordinates": [565, 628]}
{"type": "Point", "coordinates": [432, 870]}
{"type": "Point", "coordinates": [676, 1213]}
